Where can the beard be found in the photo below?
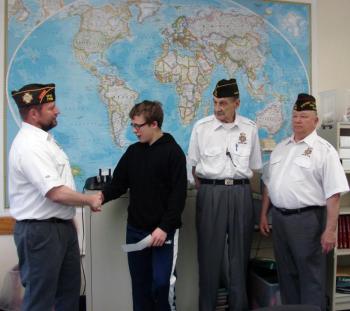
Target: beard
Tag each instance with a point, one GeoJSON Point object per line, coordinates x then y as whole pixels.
{"type": "Point", "coordinates": [48, 126]}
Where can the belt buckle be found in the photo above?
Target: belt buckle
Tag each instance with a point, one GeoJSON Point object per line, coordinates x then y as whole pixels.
{"type": "Point", "coordinates": [228, 182]}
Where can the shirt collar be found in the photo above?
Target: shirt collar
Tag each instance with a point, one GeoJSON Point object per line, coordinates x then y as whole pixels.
{"type": "Point", "coordinates": [218, 124]}
{"type": "Point", "coordinates": [309, 140]}
{"type": "Point", "coordinates": [36, 131]}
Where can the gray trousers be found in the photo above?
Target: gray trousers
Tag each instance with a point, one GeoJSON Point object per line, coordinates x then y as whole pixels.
{"type": "Point", "coordinates": [300, 262]}
{"type": "Point", "coordinates": [49, 263]}
{"type": "Point", "coordinates": [224, 214]}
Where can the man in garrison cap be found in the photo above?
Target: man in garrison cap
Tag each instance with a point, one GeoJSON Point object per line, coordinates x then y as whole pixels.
{"type": "Point", "coordinates": [42, 200]}
{"type": "Point", "coordinates": [303, 181]}
{"type": "Point", "coordinates": [224, 150]}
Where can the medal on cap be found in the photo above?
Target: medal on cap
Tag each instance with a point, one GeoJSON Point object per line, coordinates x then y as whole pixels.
{"type": "Point", "coordinates": [27, 98]}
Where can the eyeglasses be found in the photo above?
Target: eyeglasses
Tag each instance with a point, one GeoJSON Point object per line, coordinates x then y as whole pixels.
{"type": "Point", "coordinates": [137, 126]}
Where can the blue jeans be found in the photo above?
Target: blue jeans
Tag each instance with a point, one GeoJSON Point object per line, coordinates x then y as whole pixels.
{"type": "Point", "coordinates": [152, 272]}
{"type": "Point", "coordinates": [49, 262]}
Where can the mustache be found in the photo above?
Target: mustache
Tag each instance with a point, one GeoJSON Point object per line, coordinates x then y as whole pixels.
{"type": "Point", "coordinates": [219, 113]}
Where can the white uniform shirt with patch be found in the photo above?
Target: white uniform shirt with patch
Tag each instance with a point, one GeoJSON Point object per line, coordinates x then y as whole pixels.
{"type": "Point", "coordinates": [36, 165]}
{"type": "Point", "coordinates": [304, 173]}
{"type": "Point", "coordinates": [225, 150]}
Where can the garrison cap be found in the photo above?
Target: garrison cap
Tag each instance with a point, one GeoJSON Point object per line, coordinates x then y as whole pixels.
{"type": "Point", "coordinates": [305, 102]}
{"type": "Point", "coordinates": [34, 94]}
{"type": "Point", "coordinates": [226, 88]}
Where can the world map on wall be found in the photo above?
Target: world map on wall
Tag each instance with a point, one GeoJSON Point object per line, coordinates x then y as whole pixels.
{"type": "Point", "coordinates": [106, 55]}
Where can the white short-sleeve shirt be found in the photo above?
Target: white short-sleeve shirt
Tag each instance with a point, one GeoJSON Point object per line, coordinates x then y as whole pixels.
{"type": "Point", "coordinates": [304, 173]}
{"type": "Point", "coordinates": [36, 165]}
{"type": "Point", "coordinates": [224, 150]}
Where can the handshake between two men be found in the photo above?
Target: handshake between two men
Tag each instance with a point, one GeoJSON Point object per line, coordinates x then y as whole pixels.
{"type": "Point", "coordinates": [95, 201]}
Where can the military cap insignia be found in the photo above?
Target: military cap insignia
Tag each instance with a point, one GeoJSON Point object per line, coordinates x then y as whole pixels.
{"type": "Point", "coordinates": [27, 98]}
{"type": "Point", "coordinates": [307, 152]}
{"type": "Point", "coordinates": [48, 96]}
{"type": "Point", "coordinates": [41, 95]}
{"type": "Point", "coordinates": [242, 138]}
{"type": "Point", "coordinates": [308, 106]}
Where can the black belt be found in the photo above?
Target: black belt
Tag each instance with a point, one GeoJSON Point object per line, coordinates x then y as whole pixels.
{"type": "Point", "coordinates": [53, 219]}
{"type": "Point", "coordinates": [287, 211]}
{"type": "Point", "coordinates": [226, 181]}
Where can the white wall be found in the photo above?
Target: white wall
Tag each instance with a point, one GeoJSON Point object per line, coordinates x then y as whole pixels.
{"type": "Point", "coordinates": [333, 44]}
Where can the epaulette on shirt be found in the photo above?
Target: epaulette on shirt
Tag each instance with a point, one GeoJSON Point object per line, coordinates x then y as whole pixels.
{"type": "Point", "coordinates": [285, 140]}
{"type": "Point", "coordinates": [248, 121]}
{"type": "Point", "coordinates": [205, 120]}
{"type": "Point", "coordinates": [325, 143]}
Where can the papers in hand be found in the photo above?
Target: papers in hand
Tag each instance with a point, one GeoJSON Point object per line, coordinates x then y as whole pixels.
{"type": "Point", "coordinates": [137, 246]}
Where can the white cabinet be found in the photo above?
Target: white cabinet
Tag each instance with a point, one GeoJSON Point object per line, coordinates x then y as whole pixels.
{"type": "Point", "coordinates": [339, 136]}
{"type": "Point", "coordinates": [108, 285]}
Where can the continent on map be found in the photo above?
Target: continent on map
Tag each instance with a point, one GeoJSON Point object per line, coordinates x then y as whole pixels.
{"type": "Point", "coordinates": [76, 170]}
{"type": "Point", "coordinates": [49, 7]}
{"type": "Point", "coordinates": [191, 76]}
{"type": "Point", "coordinates": [99, 28]}
{"type": "Point", "coordinates": [232, 39]}
{"type": "Point", "coordinates": [18, 9]}
{"type": "Point", "coordinates": [270, 118]}
{"type": "Point", "coordinates": [119, 100]}
{"type": "Point", "coordinates": [293, 24]}
{"type": "Point", "coordinates": [147, 8]}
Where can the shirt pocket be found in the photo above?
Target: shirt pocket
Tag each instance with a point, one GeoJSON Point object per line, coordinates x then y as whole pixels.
{"type": "Point", "coordinates": [275, 160]}
{"type": "Point", "coordinates": [241, 155]}
{"type": "Point", "coordinates": [212, 152]}
{"type": "Point", "coordinates": [61, 163]}
{"type": "Point", "coordinates": [301, 168]}
{"type": "Point", "coordinates": [213, 156]}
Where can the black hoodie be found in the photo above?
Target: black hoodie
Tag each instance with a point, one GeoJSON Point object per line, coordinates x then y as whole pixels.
{"type": "Point", "coordinates": [157, 179]}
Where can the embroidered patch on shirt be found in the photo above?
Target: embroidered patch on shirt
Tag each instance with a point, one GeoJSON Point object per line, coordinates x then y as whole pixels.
{"type": "Point", "coordinates": [307, 152]}
{"type": "Point", "coordinates": [242, 138]}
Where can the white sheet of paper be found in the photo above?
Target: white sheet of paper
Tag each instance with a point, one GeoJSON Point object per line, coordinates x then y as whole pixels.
{"type": "Point", "coordinates": [137, 246]}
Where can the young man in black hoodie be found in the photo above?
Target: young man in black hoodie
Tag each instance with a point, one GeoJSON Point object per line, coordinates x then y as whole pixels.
{"type": "Point", "coordinates": [154, 170]}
